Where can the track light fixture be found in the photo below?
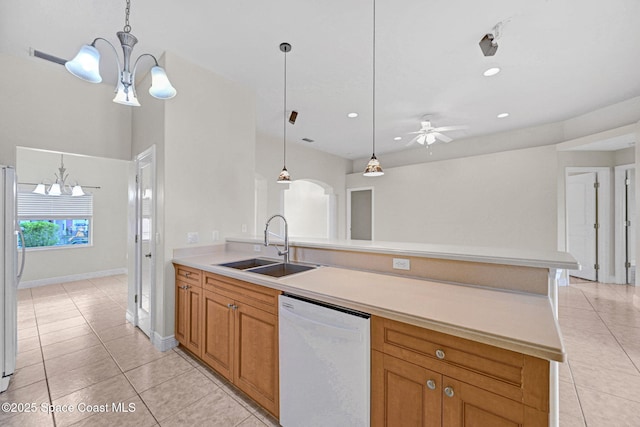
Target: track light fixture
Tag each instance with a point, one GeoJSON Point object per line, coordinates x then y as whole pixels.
{"type": "Point", "coordinates": [489, 42]}
{"type": "Point", "coordinates": [86, 65]}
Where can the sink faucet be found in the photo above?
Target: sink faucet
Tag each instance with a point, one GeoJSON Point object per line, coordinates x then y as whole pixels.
{"type": "Point", "coordinates": [284, 252]}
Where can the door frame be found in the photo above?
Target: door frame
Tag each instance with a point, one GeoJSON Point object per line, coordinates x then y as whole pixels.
{"type": "Point", "coordinates": [149, 155]}
{"type": "Point", "coordinates": [349, 191]}
{"type": "Point", "coordinates": [620, 208]}
{"type": "Point", "coordinates": [603, 175]}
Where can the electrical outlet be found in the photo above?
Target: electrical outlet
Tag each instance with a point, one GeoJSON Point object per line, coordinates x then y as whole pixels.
{"type": "Point", "coordinates": [401, 264]}
{"type": "Point", "coordinates": [257, 248]}
{"type": "Point", "coordinates": [192, 237]}
{"type": "Point", "coordinates": [215, 235]}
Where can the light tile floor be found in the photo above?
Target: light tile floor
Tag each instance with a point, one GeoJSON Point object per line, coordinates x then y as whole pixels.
{"type": "Point", "coordinates": [76, 351]}
{"type": "Point", "coordinates": [75, 347]}
{"type": "Point", "coordinates": [600, 382]}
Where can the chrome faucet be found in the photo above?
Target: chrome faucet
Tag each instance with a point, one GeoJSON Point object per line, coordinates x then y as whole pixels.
{"type": "Point", "coordinates": [284, 252]}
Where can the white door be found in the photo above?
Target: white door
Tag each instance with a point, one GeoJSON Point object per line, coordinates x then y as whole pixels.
{"type": "Point", "coordinates": [361, 214]}
{"type": "Point", "coordinates": [581, 217]}
{"type": "Point", "coordinates": [145, 241]}
{"type": "Point", "coordinates": [630, 227]}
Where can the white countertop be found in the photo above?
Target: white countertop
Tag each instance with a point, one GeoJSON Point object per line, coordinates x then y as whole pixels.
{"type": "Point", "coordinates": [491, 255]}
{"type": "Point", "coordinates": [520, 322]}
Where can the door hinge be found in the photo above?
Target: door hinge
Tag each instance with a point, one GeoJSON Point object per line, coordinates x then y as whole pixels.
{"type": "Point", "coordinates": [596, 185]}
{"type": "Point", "coordinates": [137, 180]}
{"type": "Point", "coordinates": [135, 299]}
{"type": "Point", "coordinates": [596, 225]}
{"type": "Point", "coordinates": [136, 238]}
{"type": "Point", "coordinates": [627, 182]}
{"type": "Point", "coordinates": [627, 223]}
{"type": "Point", "coordinates": [627, 265]}
{"type": "Point", "coordinates": [596, 266]}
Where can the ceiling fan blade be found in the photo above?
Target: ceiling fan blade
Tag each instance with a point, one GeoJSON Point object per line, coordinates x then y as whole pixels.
{"type": "Point", "coordinates": [441, 137]}
{"type": "Point", "coordinates": [448, 128]}
{"type": "Point", "coordinates": [412, 141]}
{"type": "Point", "coordinates": [419, 131]}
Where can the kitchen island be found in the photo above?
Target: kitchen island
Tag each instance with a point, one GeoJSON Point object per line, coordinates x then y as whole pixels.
{"type": "Point", "coordinates": [485, 331]}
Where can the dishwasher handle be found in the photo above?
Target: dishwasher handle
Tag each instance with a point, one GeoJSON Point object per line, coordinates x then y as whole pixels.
{"type": "Point", "coordinates": [304, 322]}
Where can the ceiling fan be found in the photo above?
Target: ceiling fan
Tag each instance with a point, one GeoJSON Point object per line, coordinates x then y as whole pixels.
{"type": "Point", "coordinates": [428, 134]}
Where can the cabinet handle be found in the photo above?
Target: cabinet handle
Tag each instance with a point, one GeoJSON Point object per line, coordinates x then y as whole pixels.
{"type": "Point", "coordinates": [232, 306]}
{"type": "Point", "coordinates": [448, 391]}
{"type": "Point", "coordinates": [431, 384]}
{"type": "Point", "coordinates": [187, 274]}
{"type": "Point", "coordinates": [440, 354]}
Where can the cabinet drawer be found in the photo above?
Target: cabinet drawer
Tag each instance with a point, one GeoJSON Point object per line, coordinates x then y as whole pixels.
{"type": "Point", "coordinates": [254, 295]}
{"type": "Point", "coordinates": [188, 275]}
{"type": "Point", "coordinates": [391, 336]}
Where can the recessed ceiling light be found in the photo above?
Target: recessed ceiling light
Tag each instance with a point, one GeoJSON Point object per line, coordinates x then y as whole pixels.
{"type": "Point", "coordinates": [352, 115]}
{"type": "Point", "coordinates": [491, 72]}
{"type": "Point", "coordinates": [503, 115]}
{"type": "Point", "coordinates": [397, 138]}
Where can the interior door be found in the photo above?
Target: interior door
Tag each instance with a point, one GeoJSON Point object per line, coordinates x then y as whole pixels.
{"type": "Point", "coordinates": [630, 226]}
{"type": "Point", "coordinates": [582, 220]}
{"type": "Point", "coordinates": [361, 215]}
{"type": "Point", "coordinates": [145, 240]}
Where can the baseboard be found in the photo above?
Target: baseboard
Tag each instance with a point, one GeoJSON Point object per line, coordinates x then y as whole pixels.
{"type": "Point", "coordinates": [163, 343]}
{"type": "Point", "coordinates": [71, 278]}
{"type": "Point", "coordinates": [131, 318]}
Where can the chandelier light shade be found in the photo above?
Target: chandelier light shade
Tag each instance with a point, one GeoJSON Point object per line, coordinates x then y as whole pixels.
{"type": "Point", "coordinates": [373, 167]}
{"type": "Point", "coordinates": [86, 66]}
{"type": "Point", "coordinates": [284, 177]}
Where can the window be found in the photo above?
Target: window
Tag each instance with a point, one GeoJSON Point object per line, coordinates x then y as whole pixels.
{"type": "Point", "coordinates": [55, 221]}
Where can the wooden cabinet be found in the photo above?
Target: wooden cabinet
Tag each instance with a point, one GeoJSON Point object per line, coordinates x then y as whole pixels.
{"type": "Point", "coordinates": [240, 336]}
{"type": "Point", "coordinates": [425, 378]}
{"type": "Point", "coordinates": [188, 309]}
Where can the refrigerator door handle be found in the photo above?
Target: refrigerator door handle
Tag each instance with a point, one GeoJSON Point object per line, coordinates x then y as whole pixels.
{"type": "Point", "coordinates": [21, 234]}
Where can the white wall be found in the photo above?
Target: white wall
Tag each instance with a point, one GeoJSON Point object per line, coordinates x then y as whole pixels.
{"type": "Point", "coordinates": [46, 107]}
{"type": "Point", "coordinates": [205, 168]}
{"type": "Point", "coordinates": [504, 199]}
{"type": "Point", "coordinates": [303, 162]}
{"type": "Point", "coordinates": [306, 206]}
{"type": "Point", "coordinates": [109, 226]}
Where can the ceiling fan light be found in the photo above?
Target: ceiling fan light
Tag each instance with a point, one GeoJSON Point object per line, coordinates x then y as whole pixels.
{"type": "Point", "coordinates": [430, 138]}
{"type": "Point", "coordinates": [86, 64]}
{"type": "Point", "coordinates": [373, 167]}
{"type": "Point", "coordinates": [160, 86]}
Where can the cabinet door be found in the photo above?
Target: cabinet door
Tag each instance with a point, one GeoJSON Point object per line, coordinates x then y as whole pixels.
{"type": "Point", "coordinates": [182, 296]}
{"type": "Point", "coordinates": [256, 356]}
{"type": "Point", "coordinates": [217, 333]}
{"type": "Point", "coordinates": [464, 405]}
{"type": "Point", "coordinates": [404, 394]}
{"type": "Point", "coordinates": [194, 320]}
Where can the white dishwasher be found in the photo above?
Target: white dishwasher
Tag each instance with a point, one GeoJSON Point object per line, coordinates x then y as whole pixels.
{"type": "Point", "coordinates": [325, 365]}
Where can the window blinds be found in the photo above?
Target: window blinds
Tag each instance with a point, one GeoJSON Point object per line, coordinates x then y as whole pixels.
{"type": "Point", "coordinates": [31, 205]}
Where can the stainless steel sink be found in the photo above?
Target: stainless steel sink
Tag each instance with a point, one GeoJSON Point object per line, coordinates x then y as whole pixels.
{"type": "Point", "coordinates": [246, 264]}
{"type": "Point", "coordinates": [280, 270]}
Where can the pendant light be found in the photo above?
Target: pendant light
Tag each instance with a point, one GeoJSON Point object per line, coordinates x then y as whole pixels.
{"type": "Point", "coordinates": [284, 177]}
{"type": "Point", "coordinates": [373, 167]}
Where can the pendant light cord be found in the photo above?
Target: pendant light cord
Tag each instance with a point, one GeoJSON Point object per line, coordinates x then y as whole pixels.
{"type": "Point", "coordinates": [284, 114]}
{"type": "Point", "coordinates": [374, 77]}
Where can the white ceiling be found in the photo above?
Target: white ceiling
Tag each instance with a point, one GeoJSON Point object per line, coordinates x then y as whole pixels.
{"type": "Point", "coordinates": [559, 59]}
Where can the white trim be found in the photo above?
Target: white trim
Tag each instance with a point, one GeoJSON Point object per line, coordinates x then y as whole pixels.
{"type": "Point", "coordinates": [619, 209]}
{"type": "Point", "coordinates": [131, 318]}
{"type": "Point", "coordinates": [349, 191]}
{"type": "Point", "coordinates": [71, 278]}
{"type": "Point", "coordinates": [604, 216]}
{"type": "Point", "coordinates": [163, 343]}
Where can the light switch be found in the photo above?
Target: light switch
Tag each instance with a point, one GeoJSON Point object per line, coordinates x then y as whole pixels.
{"type": "Point", "coordinates": [401, 264]}
{"type": "Point", "coordinates": [192, 237]}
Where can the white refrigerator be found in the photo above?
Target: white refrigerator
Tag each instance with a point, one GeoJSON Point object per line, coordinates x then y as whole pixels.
{"type": "Point", "coordinates": [10, 275]}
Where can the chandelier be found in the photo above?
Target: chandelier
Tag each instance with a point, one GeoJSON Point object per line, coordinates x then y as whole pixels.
{"type": "Point", "coordinates": [86, 65]}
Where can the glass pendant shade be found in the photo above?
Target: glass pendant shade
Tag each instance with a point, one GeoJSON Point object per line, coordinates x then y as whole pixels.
{"type": "Point", "coordinates": [126, 98]}
{"type": "Point", "coordinates": [430, 139]}
{"type": "Point", "coordinates": [86, 64]}
{"type": "Point", "coordinates": [40, 189]}
{"type": "Point", "coordinates": [284, 177]}
{"type": "Point", "coordinates": [160, 86]}
{"type": "Point", "coordinates": [77, 191]}
{"type": "Point", "coordinates": [373, 167]}
{"type": "Point", "coordinates": [55, 190]}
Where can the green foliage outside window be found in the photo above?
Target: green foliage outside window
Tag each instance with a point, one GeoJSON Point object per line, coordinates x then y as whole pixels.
{"type": "Point", "coordinates": [39, 233]}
